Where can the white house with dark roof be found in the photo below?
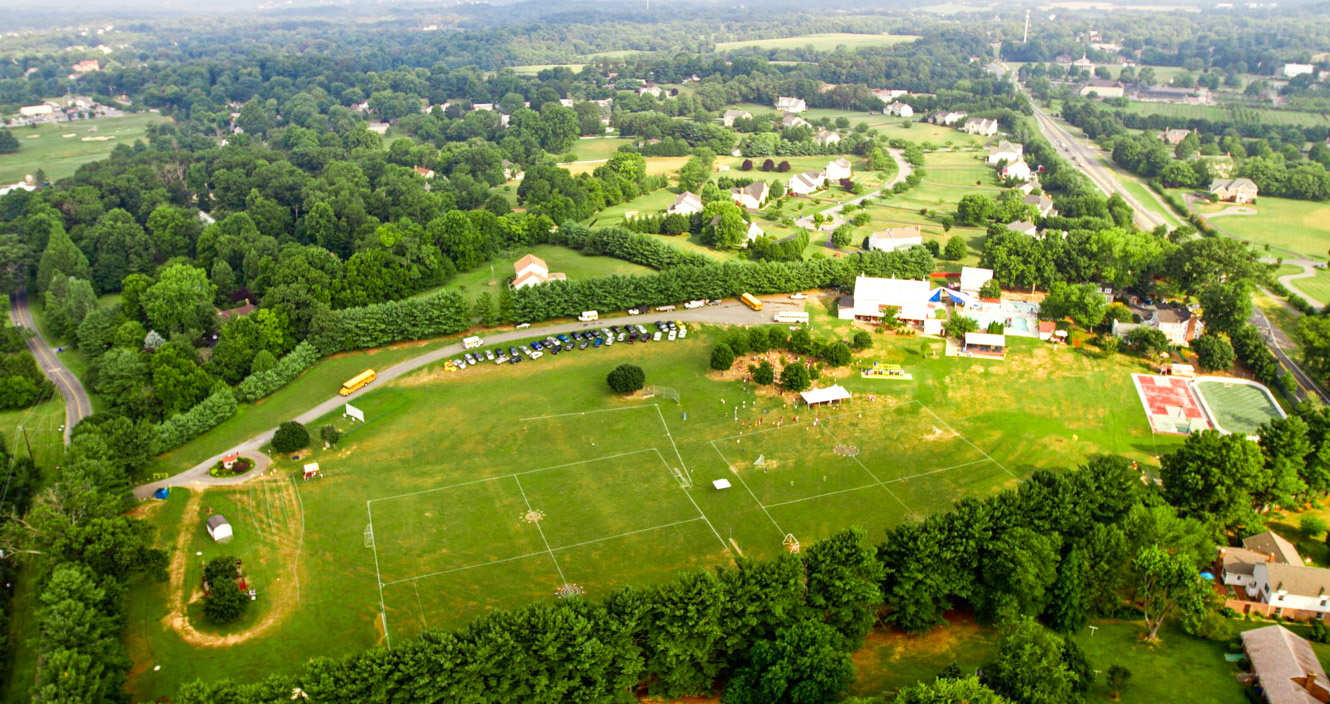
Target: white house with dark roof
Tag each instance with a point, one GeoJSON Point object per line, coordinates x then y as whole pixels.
{"type": "Point", "coordinates": [899, 109]}
{"type": "Point", "coordinates": [792, 120]}
{"type": "Point", "coordinates": [946, 117]}
{"type": "Point", "coordinates": [1025, 227]}
{"type": "Point", "coordinates": [980, 126]}
{"type": "Point", "coordinates": [1042, 203]}
{"type": "Point", "coordinates": [1015, 171]}
{"type": "Point", "coordinates": [825, 137]}
{"type": "Point", "coordinates": [753, 233]}
{"type": "Point", "coordinates": [787, 104]}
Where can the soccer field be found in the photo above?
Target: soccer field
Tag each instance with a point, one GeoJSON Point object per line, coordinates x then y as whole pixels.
{"type": "Point", "coordinates": [1237, 405]}
{"type": "Point", "coordinates": [499, 486]}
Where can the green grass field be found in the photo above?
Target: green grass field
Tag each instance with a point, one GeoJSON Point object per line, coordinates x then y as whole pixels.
{"type": "Point", "coordinates": [1318, 286]}
{"type": "Point", "coordinates": [597, 148]}
{"type": "Point", "coordinates": [537, 68]}
{"type": "Point", "coordinates": [820, 42]}
{"type": "Point", "coordinates": [570, 262]}
{"type": "Point", "coordinates": [449, 467]}
{"type": "Point", "coordinates": [1238, 407]}
{"type": "Point", "coordinates": [48, 148]}
{"type": "Point", "coordinates": [1237, 114]}
{"type": "Point", "coordinates": [1297, 225]}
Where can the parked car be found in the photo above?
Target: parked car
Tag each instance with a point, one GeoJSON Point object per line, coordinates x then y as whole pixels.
{"type": "Point", "coordinates": [556, 350]}
{"type": "Point", "coordinates": [609, 340]}
{"type": "Point", "coordinates": [683, 331]}
{"type": "Point", "coordinates": [521, 326]}
{"type": "Point", "coordinates": [469, 359]}
{"type": "Point", "coordinates": [641, 330]}
{"type": "Point", "coordinates": [515, 359]}
{"type": "Point", "coordinates": [584, 344]}
{"type": "Point", "coordinates": [655, 337]}
{"type": "Point", "coordinates": [673, 335]}
{"type": "Point", "coordinates": [489, 354]}
{"type": "Point", "coordinates": [537, 354]}
{"type": "Point", "coordinates": [535, 346]}
{"type": "Point", "coordinates": [563, 338]}
{"type": "Point", "coordinates": [634, 311]}
{"type": "Point", "coordinates": [597, 342]}
{"type": "Point", "coordinates": [512, 351]}
{"type": "Point", "coordinates": [714, 302]}
{"type": "Point", "coordinates": [797, 296]}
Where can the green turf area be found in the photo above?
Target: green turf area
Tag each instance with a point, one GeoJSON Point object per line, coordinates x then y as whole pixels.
{"type": "Point", "coordinates": [1297, 225]}
{"type": "Point", "coordinates": [570, 262]}
{"type": "Point", "coordinates": [820, 42]}
{"type": "Point", "coordinates": [1236, 114]}
{"type": "Point", "coordinates": [449, 465]}
{"type": "Point", "coordinates": [44, 424]}
{"type": "Point", "coordinates": [47, 148]}
{"type": "Point", "coordinates": [1133, 185]}
{"type": "Point", "coordinates": [1318, 286]}
{"type": "Point", "coordinates": [1237, 406]}
{"type": "Point", "coordinates": [537, 68]}
{"type": "Point", "coordinates": [597, 148]}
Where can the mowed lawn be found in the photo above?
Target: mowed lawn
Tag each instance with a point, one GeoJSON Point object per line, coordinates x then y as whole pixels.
{"type": "Point", "coordinates": [820, 42]}
{"type": "Point", "coordinates": [1300, 225]}
{"type": "Point", "coordinates": [569, 262]}
{"type": "Point", "coordinates": [1317, 286]}
{"type": "Point", "coordinates": [495, 486]}
{"type": "Point", "coordinates": [60, 149]}
{"type": "Point", "coordinates": [597, 148]}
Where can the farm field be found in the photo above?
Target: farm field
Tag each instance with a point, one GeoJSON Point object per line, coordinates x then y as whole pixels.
{"type": "Point", "coordinates": [533, 69]}
{"type": "Point", "coordinates": [47, 148]}
{"type": "Point", "coordinates": [596, 148]}
{"type": "Point", "coordinates": [1297, 225]}
{"type": "Point", "coordinates": [499, 485]}
{"type": "Point", "coordinates": [1224, 113]}
{"type": "Point", "coordinates": [820, 42]}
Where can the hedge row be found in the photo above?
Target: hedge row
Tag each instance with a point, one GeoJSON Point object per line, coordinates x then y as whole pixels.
{"type": "Point", "coordinates": [629, 246]}
{"type": "Point", "coordinates": [260, 384]}
{"type": "Point", "coordinates": [206, 415]}
{"type": "Point", "coordinates": [435, 315]}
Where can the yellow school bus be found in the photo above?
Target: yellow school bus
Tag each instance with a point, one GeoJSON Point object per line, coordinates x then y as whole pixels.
{"type": "Point", "coordinates": [751, 301]}
{"type": "Point", "coordinates": [357, 381]}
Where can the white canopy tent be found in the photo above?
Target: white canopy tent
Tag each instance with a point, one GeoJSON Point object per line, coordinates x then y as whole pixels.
{"type": "Point", "coordinates": [829, 394]}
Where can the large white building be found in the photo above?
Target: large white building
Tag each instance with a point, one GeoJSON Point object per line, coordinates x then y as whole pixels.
{"type": "Point", "coordinates": [791, 104]}
{"type": "Point", "coordinates": [1295, 70]}
{"type": "Point", "coordinates": [806, 182]}
{"type": "Point", "coordinates": [838, 169]}
{"type": "Point", "coordinates": [908, 298]}
{"type": "Point", "coordinates": [533, 271]}
{"type": "Point", "coordinates": [894, 238]}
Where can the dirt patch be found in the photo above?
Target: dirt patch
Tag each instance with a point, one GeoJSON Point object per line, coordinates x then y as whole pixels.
{"type": "Point", "coordinates": [279, 598]}
{"type": "Point", "coordinates": [431, 375]}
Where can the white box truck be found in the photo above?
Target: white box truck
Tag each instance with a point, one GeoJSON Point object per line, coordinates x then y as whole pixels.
{"type": "Point", "coordinates": [472, 342]}
{"type": "Point", "coordinates": [695, 304]}
{"type": "Point", "coordinates": [589, 315]}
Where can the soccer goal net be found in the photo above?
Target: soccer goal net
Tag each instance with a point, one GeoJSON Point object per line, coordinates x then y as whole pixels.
{"type": "Point", "coordinates": [681, 477]}
{"type": "Point", "coordinates": [369, 535]}
{"type": "Point", "coordinates": [664, 392]}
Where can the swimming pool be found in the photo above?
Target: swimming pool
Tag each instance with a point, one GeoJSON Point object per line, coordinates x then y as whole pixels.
{"type": "Point", "coordinates": [1012, 326]}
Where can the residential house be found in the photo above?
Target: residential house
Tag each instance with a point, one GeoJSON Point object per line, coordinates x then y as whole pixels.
{"type": "Point", "coordinates": [532, 271]}
{"type": "Point", "coordinates": [1293, 591]}
{"type": "Point", "coordinates": [650, 89]}
{"type": "Point", "coordinates": [1287, 670]}
{"type": "Point", "coordinates": [1025, 227]}
{"type": "Point", "coordinates": [511, 171]}
{"type": "Point", "coordinates": [482, 106]}
{"type": "Point", "coordinates": [1005, 151]}
{"type": "Point", "coordinates": [1173, 136]}
{"type": "Point", "coordinates": [566, 102]}
{"type": "Point", "coordinates": [686, 203]}
{"type": "Point", "coordinates": [239, 311]}
{"type": "Point", "coordinates": [1083, 63]}
{"type": "Point", "coordinates": [806, 182]}
{"type": "Point", "coordinates": [754, 232]}
{"type": "Point", "coordinates": [751, 196]}
{"type": "Point", "coordinates": [792, 120]}
{"type": "Point", "coordinates": [427, 173]}
{"type": "Point", "coordinates": [973, 278]}
{"type": "Point", "coordinates": [1102, 87]}
{"type": "Point", "coordinates": [1235, 190]}
{"type": "Point", "coordinates": [1015, 171]}
{"type": "Point", "coordinates": [825, 137]}
{"type": "Point", "coordinates": [899, 109]}
{"type": "Point", "coordinates": [1178, 323]}
{"type": "Point", "coordinates": [27, 184]}
{"type": "Point", "coordinates": [887, 95]}
{"type": "Point", "coordinates": [731, 115]}
{"type": "Point", "coordinates": [1042, 203]}
{"type": "Point", "coordinates": [1289, 70]}
{"type": "Point", "coordinates": [980, 126]}
{"type": "Point", "coordinates": [838, 169]}
{"type": "Point", "coordinates": [894, 238]}
{"type": "Point", "coordinates": [87, 66]}
{"type": "Point", "coordinates": [1276, 546]}
{"type": "Point", "coordinates": [785, 104]}
{"type": "Point", "coordinates": [946, 117]}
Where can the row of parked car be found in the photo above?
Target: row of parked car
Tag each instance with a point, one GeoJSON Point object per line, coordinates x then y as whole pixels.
{"type": "Point", "coordinates": [580, 340]}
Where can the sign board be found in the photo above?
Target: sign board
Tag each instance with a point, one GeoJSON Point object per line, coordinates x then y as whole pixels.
{"type": "Point", "coordinates": [354, 413]}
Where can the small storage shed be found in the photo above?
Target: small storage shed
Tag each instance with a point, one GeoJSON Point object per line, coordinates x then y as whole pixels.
{"type": "Point", "coordinates": [219, 528]}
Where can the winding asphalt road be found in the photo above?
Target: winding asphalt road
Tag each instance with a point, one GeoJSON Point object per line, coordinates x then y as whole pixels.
{"type": "Point", "coordinates": [77, 403]}
{"type": "Point", "coordinates": [730, 313]}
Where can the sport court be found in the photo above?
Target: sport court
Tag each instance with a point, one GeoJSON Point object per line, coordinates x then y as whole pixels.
{"type": "Point", "coordinates": [561, 529]}
{"type": "Point", "coordinates": [1170, 404]}
{"type": "Point", "coordinates": [874, 464]}
{"type": "Point", "coordinates": [1237, 405]}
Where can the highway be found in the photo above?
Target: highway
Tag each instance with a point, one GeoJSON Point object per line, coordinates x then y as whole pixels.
{"type": "Point", "coordinates": [77, 404]}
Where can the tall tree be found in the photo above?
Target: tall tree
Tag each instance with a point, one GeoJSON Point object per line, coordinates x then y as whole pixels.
{"type": "Point", "coordinates": [803, 664]}
{"type": "Point", "coordinates": [843, 583]}
{"type": "Point", "coordinates": [1168, 582]}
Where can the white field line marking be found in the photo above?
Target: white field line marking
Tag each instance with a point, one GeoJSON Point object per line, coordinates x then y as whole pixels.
{"type": "Point", "coordinates": [882, 484]}
{"type": "Point", "coordinates": [514, 474]}
{"type": "Point", "coordinates": [423, 618]}
{"type": "Point", "coordinates": [676, 447]}
{"type": "Point", "coordinates": [583, 413]}
{"type": "Point", "coordinates": [967, 441]}
{"type": "Point", "coordinates": [378, 578]}
{"type": "Point", "coordinates": [749, 490]}
{"type": "Point", "coordinates": [541, 552]}
{"type": "Point", "coordinates": [693, 501]}
{"type": "Point", "coordinates": [543, 539]}
{"type": "Point", "coordinates": [300, 542]}
{"type": "Point", "coordinates": [869, 471]}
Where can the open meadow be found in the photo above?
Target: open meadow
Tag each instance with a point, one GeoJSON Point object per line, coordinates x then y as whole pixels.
{"type": "Point", "coordinates": [819, 42]}
{"type": "Point", "coordinates": [1236, 114]}
{"type": "Point", "coordinates": [501, 485]}
{"type": "Point", "coordinates": [1302, 226]}
{"type": "Point", "coordinates": [61, 148]}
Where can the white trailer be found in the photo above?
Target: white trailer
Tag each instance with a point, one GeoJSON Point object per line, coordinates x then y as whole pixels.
{"type": "Point", "coordinates": [792, 317]}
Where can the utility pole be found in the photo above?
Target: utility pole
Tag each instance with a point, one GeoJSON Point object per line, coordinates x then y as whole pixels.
{"type": "Point", "coordinates": [1025, 38]}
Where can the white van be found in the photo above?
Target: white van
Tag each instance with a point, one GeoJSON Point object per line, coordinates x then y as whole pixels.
{"type": "Point", "coordinates": [695, 304]}
{"type": "Point", "coordinates": [589, 315]}
{"type": "Point", "coordinates": [471, 343]}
